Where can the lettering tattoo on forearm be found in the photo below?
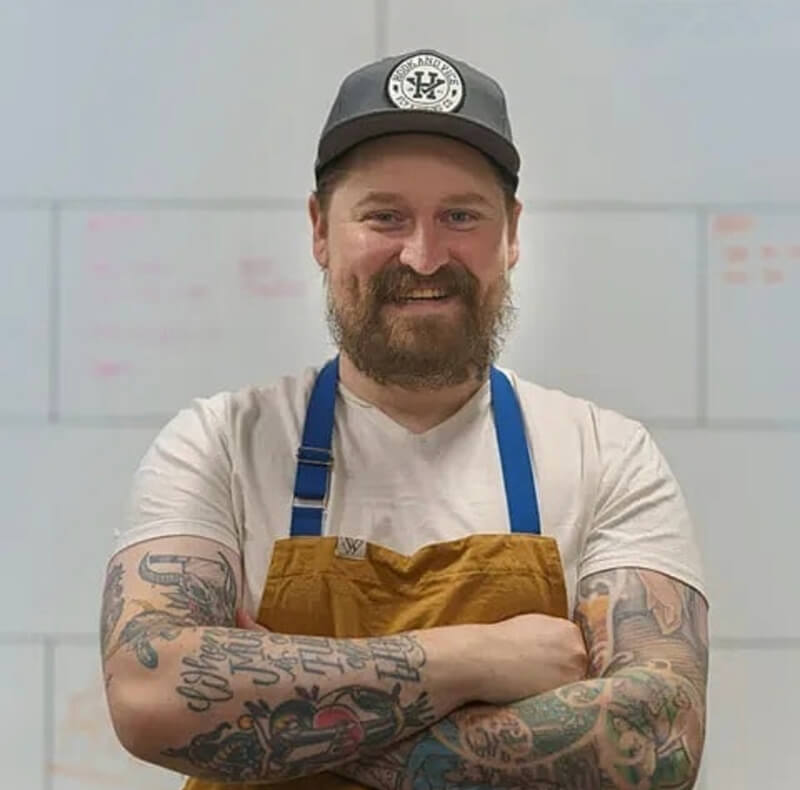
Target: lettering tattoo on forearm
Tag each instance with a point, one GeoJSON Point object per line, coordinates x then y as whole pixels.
{"type": "Point", "coordinates": [637, 725]}
{"type": "Point", "coordinates": [207, 677]}
{"type": "Point", "coordinates": [397, 657]}
{"type": "Point", "coordinates": [313, 728]}
{"type": "Point", "coordinates": [199, 591]}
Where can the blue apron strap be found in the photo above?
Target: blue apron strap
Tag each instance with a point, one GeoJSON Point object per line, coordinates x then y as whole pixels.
{"type": "Point", "coordinates": [314, 456]}
{"type": "Point", "coordinates": [523, 508]}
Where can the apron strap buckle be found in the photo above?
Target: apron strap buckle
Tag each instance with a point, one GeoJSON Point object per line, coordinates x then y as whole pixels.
{"type": "Point", "coordinates": [318, 456]}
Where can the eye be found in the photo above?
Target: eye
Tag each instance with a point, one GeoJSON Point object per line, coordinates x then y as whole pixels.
{"type": "Point", "coordinates": [461, 217]}
{"type": "Point", "coordinates": [384, 217]}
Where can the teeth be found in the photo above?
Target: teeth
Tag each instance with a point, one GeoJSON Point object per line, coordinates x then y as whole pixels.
{"type": "Point", "coordinates": [426, 293]}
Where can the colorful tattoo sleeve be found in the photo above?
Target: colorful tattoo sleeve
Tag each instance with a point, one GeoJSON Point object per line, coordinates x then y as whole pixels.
{"type": "Point", "coordinates": [636, 724]}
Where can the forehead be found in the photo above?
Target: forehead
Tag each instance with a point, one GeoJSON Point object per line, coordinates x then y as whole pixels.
{"type": "Point", "coordinates": [421, 161]}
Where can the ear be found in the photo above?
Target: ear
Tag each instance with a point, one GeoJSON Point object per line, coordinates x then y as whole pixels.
{"type": "Point", "coordinates": [319, 230]}
{"type": "Point", "coordinates": [513, 235]}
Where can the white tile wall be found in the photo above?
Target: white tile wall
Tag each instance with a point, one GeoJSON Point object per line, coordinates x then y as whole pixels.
{"type": "Point", "coordinates": [608, 309]}
{"type": "Point", "coordinates": [187, 99]}
{"type": "Point", "coordinates": [86, 752]}
{"type": "Point", "coordinates": [753, 337]}
{"type": "Point", "coordinates": [24, 313]}
{"type": "Point", "coordinates": [621, 100]}
{"type": "Point", "coordinates": [754, 730]}
{"type": "Point", "coordinates": [161, 307]}
{"type": "Point", "coordinates": [741, 487]}
{"type": "Point", "coordinates": [22, 700]}
{"type": "Point", "coordinates": [63, 491]}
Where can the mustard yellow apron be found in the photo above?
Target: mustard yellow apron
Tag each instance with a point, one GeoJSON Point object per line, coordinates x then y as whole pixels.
{"type": "Point", "coordinates": [347, 588]}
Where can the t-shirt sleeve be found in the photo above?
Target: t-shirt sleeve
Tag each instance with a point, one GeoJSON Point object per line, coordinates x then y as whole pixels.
{"type": "Point", "coordinates": [182, 486]}
{"type": "Point", "coordinates": [640, 516]}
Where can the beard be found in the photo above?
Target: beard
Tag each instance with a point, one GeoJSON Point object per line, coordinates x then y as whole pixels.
{"type": "Point", "coordinates": [420, 351]}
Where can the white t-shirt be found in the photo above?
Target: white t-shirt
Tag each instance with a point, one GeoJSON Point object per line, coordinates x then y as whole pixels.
{"type": "Point", "coordinates": [224, 469]}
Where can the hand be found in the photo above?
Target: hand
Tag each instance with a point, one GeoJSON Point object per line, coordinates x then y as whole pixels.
{"type": "Point", "coordinates": [528, 655]}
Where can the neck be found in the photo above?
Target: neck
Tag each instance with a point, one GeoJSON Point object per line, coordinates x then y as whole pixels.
{"type": "Point", "coordinates": [416, 410]}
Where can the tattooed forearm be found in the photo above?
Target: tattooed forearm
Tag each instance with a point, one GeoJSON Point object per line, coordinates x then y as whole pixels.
{"type": "Point", "coordinates": [397, 657]}
{"type": "Point", "coordinates": [630, 615]}
{"type": "Point", "coordinates": [638, 730]}
{"type": "Point", "coordinates": [265, 706]}
{"type": "Point", "coordinates": [208, 677]}
{"type": "Point", "coordinates": [635, 730]}
{"type": "Point", "coordinates": [304, 734]}
{"type": "Point", "coordinates": [308, 727]}
{"type": "Point", "coordinates": [639, 725]}
{"type": "Point", "coordinates": [198, 591]}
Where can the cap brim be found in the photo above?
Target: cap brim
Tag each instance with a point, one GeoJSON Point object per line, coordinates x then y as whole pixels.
{"type": "Point", "coordinates": [365, 127]}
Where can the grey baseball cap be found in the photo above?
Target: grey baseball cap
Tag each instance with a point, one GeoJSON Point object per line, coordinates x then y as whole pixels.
{"type": "Point", "coordinates": [422, 91]}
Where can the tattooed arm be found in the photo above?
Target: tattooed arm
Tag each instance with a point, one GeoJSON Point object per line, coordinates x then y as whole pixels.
{"type": "Point", "coordinates": [188, 691]}
{"type": "Point", "coordinates": [637, 724]}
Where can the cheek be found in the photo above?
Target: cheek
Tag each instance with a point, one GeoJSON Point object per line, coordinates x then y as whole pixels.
{"type": "Point", "coordinates": [485, 255]}
{"type": "Point", "coordinates": [357, 250]}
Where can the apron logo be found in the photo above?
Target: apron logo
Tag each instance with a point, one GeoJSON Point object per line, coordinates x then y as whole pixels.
{"type": "Point", "coordinates": [351, 548]}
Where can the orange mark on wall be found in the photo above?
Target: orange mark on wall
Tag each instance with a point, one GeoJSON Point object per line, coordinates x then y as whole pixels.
{"type": "Point", "coordinates": [88, 751]}
{"type": "Point", "coordinates": [113, 221]}
{"type": "Point", "coordinates": [258, 277]}
{"type": "Point", "coordinates": [773, 276]}
{"type": "Point", "coordinates": [733, 223]}
{"type": "Point", "coordinates": [794, 252]}
{"type": "Point", "coordinates": [101, 267]}
{"type": "Point", "coordinates": [108, 369]}
{"type": "Point", "coordinates": [736, 254]}
{"type": "Point", "coordinates": [769, 251]}
{"type": "Point", "coordinates": [197, 292]}
{"type": "Point", "coordinates": [736, 277]}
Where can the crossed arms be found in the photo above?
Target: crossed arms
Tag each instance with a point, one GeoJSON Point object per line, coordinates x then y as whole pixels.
{"type": "Point", "coordinates": [456, 707]}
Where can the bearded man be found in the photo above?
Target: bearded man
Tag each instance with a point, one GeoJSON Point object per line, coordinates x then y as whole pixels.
{"type": "Point", "coordinates": [409, 568]}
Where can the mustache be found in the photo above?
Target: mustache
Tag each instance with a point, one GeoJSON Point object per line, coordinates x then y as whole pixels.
{"type": "Point", "coordinates": [397, 282]}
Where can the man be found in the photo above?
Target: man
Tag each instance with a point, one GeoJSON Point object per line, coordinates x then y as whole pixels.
{"type": "Point", "coordinates": [387, 606]}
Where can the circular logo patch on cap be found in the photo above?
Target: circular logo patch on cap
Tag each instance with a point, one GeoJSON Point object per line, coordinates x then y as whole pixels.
{"type": "Point", "coordinates": [425, 82]}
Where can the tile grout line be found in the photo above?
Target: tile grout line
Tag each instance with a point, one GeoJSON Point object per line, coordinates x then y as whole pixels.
{"type": "Point", "coordinates": [48, 690]}
{"type": "Point", "coordinates": [381, 27]}
{"type": "Point", "coordinates": [755, 643]}
{"type": "Point", "coordinates": [286, 203]}
{"type": "Point", "coordinates": [54, 329]}
{"type": "Point", "coordinates": [113, 203]}
{"type": "Point", "coordinates": [702, 339]}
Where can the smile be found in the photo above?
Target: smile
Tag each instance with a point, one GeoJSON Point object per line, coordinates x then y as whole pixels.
{"type": "Point", "coordinates": [425, 294]}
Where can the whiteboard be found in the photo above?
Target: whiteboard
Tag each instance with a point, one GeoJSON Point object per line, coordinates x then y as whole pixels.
{"type": "Point", "coordinates": [158, 307]}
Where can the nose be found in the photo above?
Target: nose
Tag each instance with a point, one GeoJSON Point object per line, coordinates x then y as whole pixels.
{"type": "Point", "coordinates": [424, 249]}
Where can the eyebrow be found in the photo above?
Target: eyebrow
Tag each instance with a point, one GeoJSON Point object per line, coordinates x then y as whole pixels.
{"type": "Point", "coordinates": [461, 199]}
